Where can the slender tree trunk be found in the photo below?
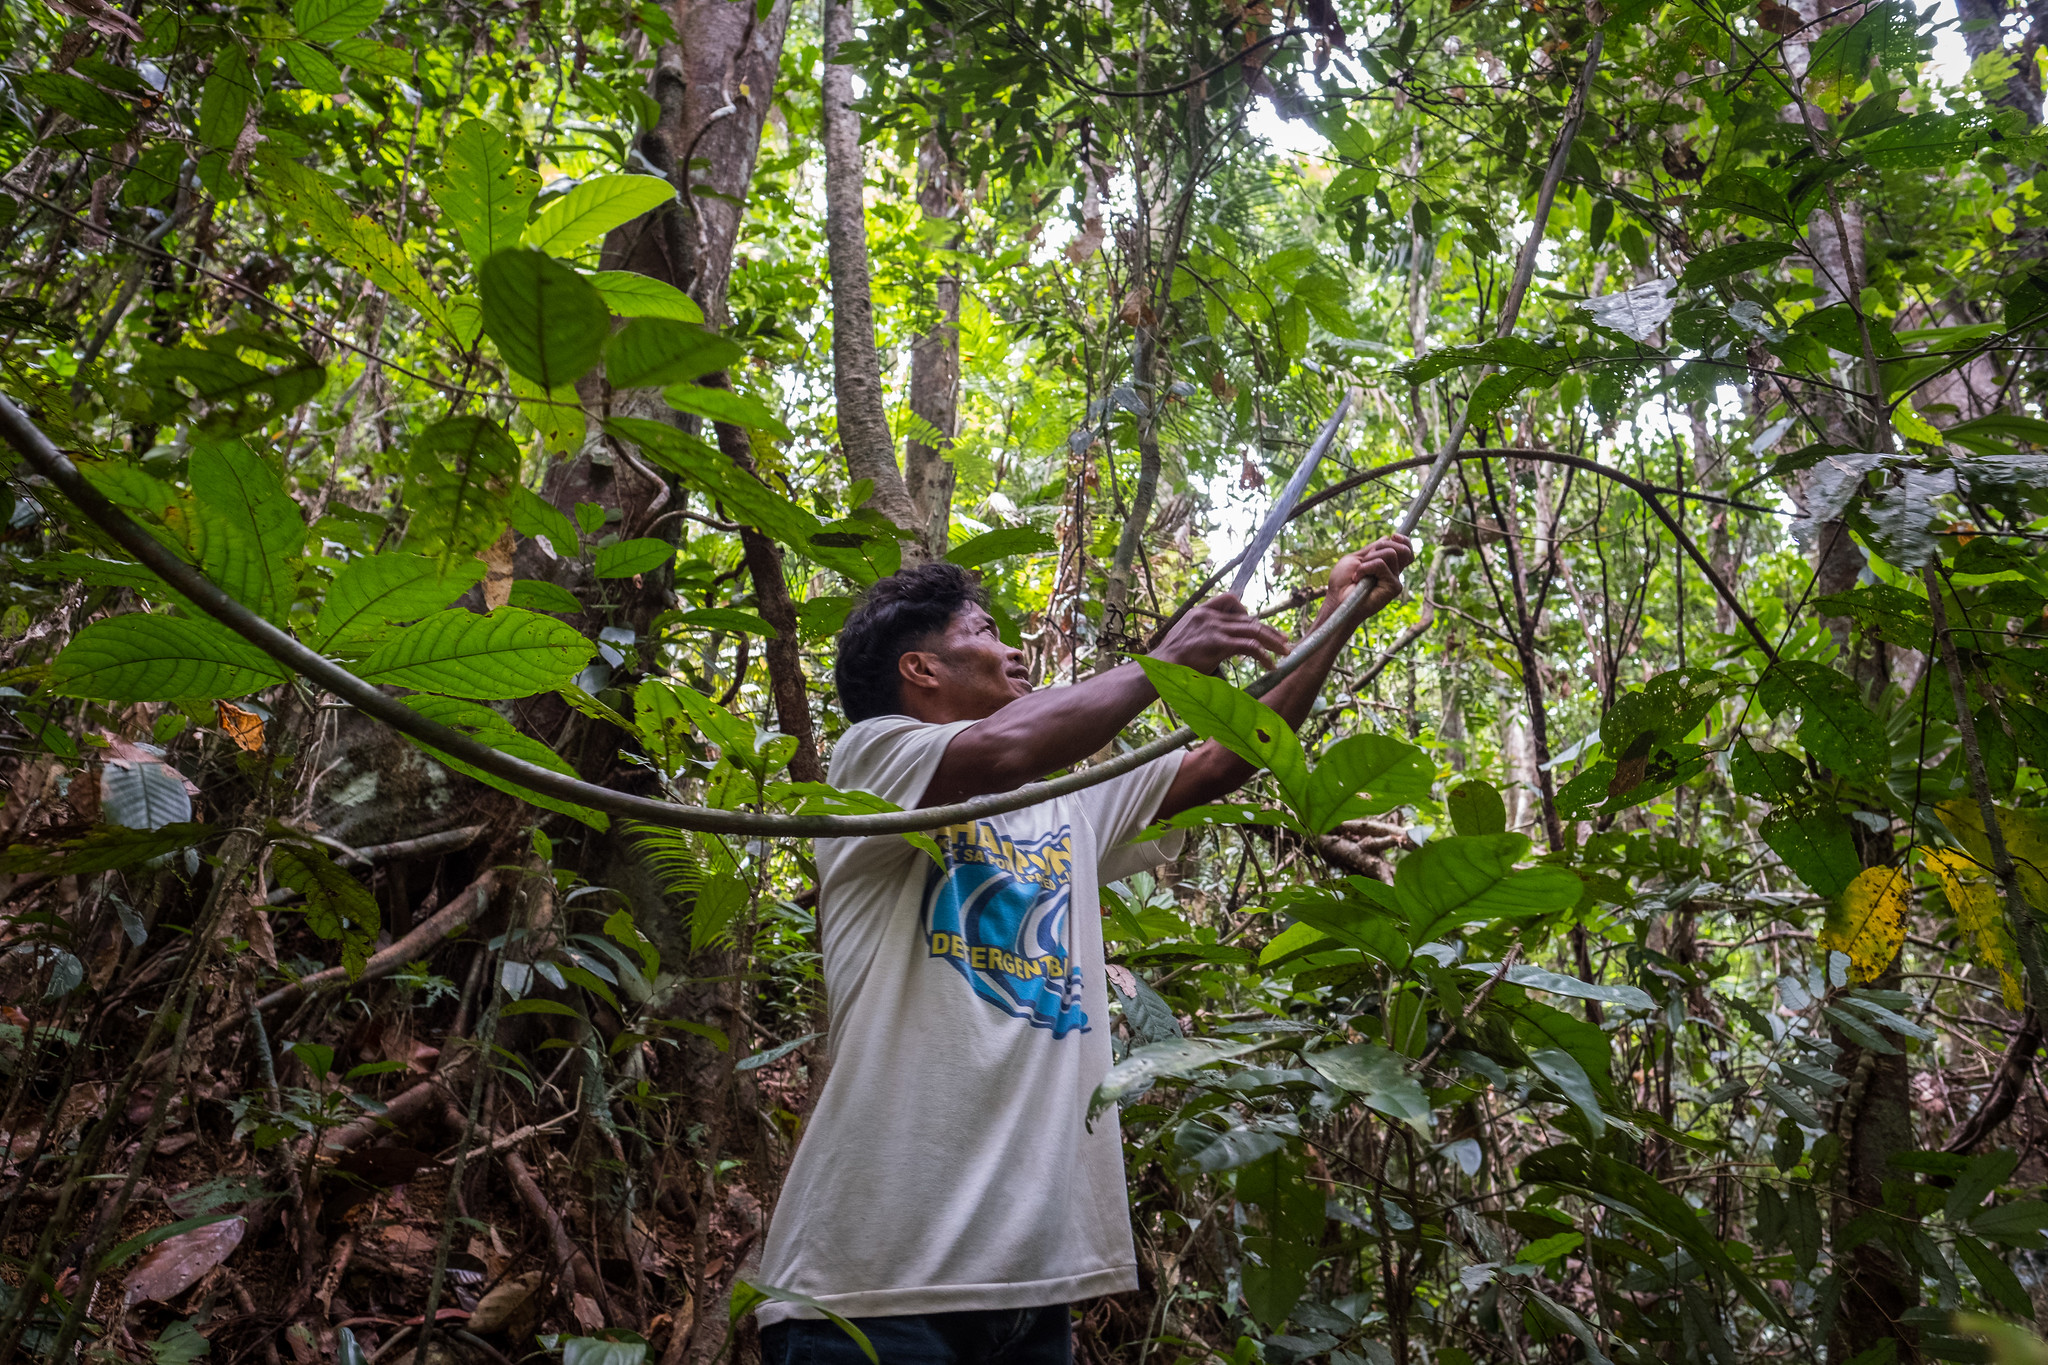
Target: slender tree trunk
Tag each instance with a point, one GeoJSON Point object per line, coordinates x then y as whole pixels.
{"type": "Point", "coordinates": [935, 361]}
{"type": "Point", "coordinates": [856, 368]}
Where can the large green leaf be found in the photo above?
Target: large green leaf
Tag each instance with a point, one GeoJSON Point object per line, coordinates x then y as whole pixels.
{"type": "Point", "coordinates": [1364, 775]}
{"type": "Point", "coordinates": [549, 323]}
{"type": "Point", "coordinates": [508, 653]}
{"type": "Point", "coordinates": [1713, 266]}
{"type": "Point", "coordinates": [1469, 879]}
{"type": "Point", "coordinates": [1238, 721]}
{"type": "Point", "coordinates": [1377, 1076]}
{"type": "Point", "coordinates": [1147, 1066]}
{"type": "Point", "coordinates": [657, 352]}
{"type": "Point", "coordinates": [707, 470]}
{"type": "Point", "coordinates": [161, 658]}
{"type": "Point", "coordinates": [594, 208]}
{"type": "Point", "coordinates": [373, 591]}
{"type": "Point", "coordinates": [642, 296]}
{"type": "Point", "coordinates": [1562, 1070]}
{"type": "Point", "coordinates": [338, 907]}
{"type": "Point", "coordinates": [1834, 724]}
{"type": "Point", "coordinates": [1275, 1276]}
{"type": "Point", "coordinates": [239, 396]}
{"type": "Point", "coordinates": [483, 190]}
{"type": "Point", "coordinates": [327, 21]}
{"type": "Point", "coordinates": [1817, 845]}
{"type": "Point", "coordinates": [225, 98]}
{"type": "Point", "coordinates": [624, 558]}
{"type": "Point", "coordinates": [460, 487]}
{"type": "Point", "coordinates": [724, 405]}
{"type": "Point", "coordinates": [482, 723]}
{"type": "Point", "coordinates": [1001, 543]}
{"type": "Point", "coordinates": [249, 531]}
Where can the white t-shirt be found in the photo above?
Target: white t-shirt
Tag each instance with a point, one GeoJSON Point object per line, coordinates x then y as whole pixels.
{"type": "Point", "coordinates": [949, 1165]}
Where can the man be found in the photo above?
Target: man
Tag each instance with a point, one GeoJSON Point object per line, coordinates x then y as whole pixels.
{"type": "Point", "coordinates": [948, 1194]}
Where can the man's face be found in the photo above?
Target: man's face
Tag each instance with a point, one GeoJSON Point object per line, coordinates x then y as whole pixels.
{"type": "Point", "coordinates": [968, 673]}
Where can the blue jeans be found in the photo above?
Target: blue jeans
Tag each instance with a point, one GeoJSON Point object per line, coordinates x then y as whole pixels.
{"type": "Point", "coordinates": [993, 1336]}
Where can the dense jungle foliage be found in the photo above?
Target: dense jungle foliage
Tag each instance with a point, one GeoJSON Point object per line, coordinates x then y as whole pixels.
{"type": "Point", "coordinates": [1636, 959]}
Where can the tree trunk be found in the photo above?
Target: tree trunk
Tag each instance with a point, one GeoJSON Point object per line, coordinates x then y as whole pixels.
{"type": "Point", "coordinates": [856, 369]}
{"type": "Point", "coordinates": [935, 362]}
{"type": "Point", "coordinates": [714, 87]}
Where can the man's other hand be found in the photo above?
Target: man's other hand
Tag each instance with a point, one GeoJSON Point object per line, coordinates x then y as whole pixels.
{"type": "Point", "coordinates": [1381, 561]}
{"type": "Point", "coordinates": [1220, 629]}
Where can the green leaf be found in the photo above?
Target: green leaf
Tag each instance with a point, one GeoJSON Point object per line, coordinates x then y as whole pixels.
{"type": "Point", "coordinates": [1001, 543]}
{"type": "Point", "coordinates": [658, 352]}
{"type": "Point", "coordinates": [225, 99]}
{"type": "Point", "coordinates": [549, 323]}
{"type": "Point", "coordinates": [461, 486]}
{"type": "Point", "coordinates": [379, 59]}
{"type": "Point", "coordinates": [313, 68]}
{"type": "Point", "coordinates": [594, 208]}
{"type": "Point", "coordinates": [1768, 773]}
{"type": "Point", "coordinates": [1275, 1276]}
{"type": "Point", "coordinates": [483, 191]}
{"type": "Point", "coordinates": [536, 594]}
{"type": "Point", "coordinates": [533, 515]}
{"type": "Point", "coordinates": [1237, 720]}
{"type": "Point", "coordinates": [1748, 193]}
{"type": "Point", "coordinates": [1817, 845]}
{"type": "Point", "coordinates": [249, 531]}
{"type": "Point", "coordinates": [1379, 1078]}
{"type": "Point", "coordinates": [486, 725]}
{"type": "Point", "coordinates": [79, 98]}
{"type": "Point", "coordinates": [327, 21]}
{"type": "Point", "coordinates": [506, 654]}
{"type": "Point", "coordinates": [161, 658]}
{"type": "Point", "coordinates": [1711, 267]}
{"type": "Point", "coordinates": [1563, 1071]}
{"type": "Point", "coordinates": [1476, 808]}
{"type": "Point", "coordinates": [730, 619]}
{"type": "Point", "coordinates": [374, 591]}
{"type": "Point", "coordinates": [630, 295]}
{"type": "Point", "coordinates": [707, 470]}
{"type": "Point", "coordinates": [1980, 1177]}
{"type": "Point", "coordinates": [1835, 725]}
{"type": "Point", "coordinates": [143, 793]}
{"type": "Point", "coordinates": [625, 558]}
{"type": "Point", "coordinates": [304, 199]}
{"type": "Point", "coordinates": [1448, 883]}
{"type": "Point", "coordinates": [1556, 983]}
{"type": "Point", "coordinates": [1146, 1066]}
{"type": "Point", "coordinates": [724, 405]}
{"type": "Point", "coordinates": [1995, 1277]}
{"type": "Point", "coordinates": [1537, 1025]}
{"type": "Point", "coordinates": [239, 396]}
{"type": "Point", "coordinates": [747, 1296]}
{"type": "Point", "coordinates": [1364, 775]}
{"type": "Point", "coordinates": [614, 1348]}
{"type": "Point", "coordinates": [2018, 1223]}
{"type": "Point", "coordinates": [338, 907]}
{"type": "Point", "coordinates": [101, 850]}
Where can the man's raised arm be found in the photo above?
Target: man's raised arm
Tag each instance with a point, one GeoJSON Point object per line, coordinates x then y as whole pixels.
{"type": "Point", "coordinates": [1036, 734]}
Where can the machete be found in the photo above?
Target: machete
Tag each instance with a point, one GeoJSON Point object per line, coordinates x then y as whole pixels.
{"type": "Point", "coordinates": [1284, 504]}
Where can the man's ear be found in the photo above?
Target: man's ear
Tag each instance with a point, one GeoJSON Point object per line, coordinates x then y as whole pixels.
{"type": "Point", "coordinates": [919, 669]}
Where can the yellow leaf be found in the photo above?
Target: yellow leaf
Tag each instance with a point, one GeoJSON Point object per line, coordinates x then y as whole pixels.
{"type": "Point", "coordinates": [2026, 842]}
{"type": "Point", "coordinates": [1869, 921]}
{"type": "Point", "coordinates": [557, 415]}
{"type": "Point", "coordinates": [243, 726]}
{"type": "Point", "coordinates": [1978, 911]}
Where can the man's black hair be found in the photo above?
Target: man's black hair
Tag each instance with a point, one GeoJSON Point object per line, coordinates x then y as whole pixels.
{"type": "Point", "coordinates": [898, 615]}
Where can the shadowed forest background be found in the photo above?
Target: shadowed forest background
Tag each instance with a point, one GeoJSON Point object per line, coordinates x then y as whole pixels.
{"type": "Point", "coordinates": [1637, 959]}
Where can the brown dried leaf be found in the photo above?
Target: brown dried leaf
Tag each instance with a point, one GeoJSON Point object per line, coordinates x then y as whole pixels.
{"type": "Point", "coordinates": [588, 1315]}
{"type": "Point", "coordinates": [498, 570]}
{"type": "Point", "coordinates": [242, 726]}
{"type": "Point", "coordinates": [503, 1303]}
{"type": "Point", "coordinates": [175, 1264]}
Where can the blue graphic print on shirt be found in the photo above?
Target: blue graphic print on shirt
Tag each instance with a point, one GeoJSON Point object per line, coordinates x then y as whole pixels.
{"type": "Point", "coordinates": [1000, 913]}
